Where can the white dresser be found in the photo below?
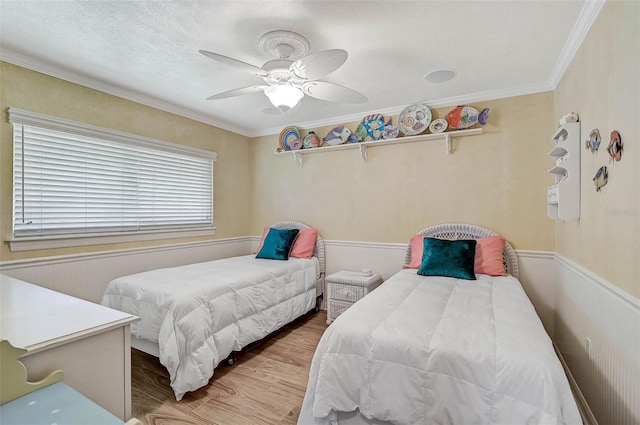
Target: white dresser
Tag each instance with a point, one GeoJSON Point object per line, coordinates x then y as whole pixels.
{"type": "Point", "coordinates": [90, 343]}
{"type": "Point", "coordinates": [344, 288]}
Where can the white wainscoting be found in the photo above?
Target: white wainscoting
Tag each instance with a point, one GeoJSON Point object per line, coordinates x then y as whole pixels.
{"type": "Point", "coordinates": [86, 275]}
{"type": "Point", "coordinates": [608, 373]}
{"type": "Point", "coordinates": [538, 271]}
{"type": "Point", "coordinates": [384, 259]}
{"type": "Point", "coordinates": [573, 305]}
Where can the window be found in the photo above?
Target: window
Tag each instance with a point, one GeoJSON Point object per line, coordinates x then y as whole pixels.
{"type": "Point", "coordinates": [74, 180]}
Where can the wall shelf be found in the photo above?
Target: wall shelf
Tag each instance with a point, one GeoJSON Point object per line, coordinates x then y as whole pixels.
{"type": "Point", "coordinates": [557, 152]}
{"type": "Point", "coordinates": [563, 197]}
{"type": "Point", "coordinates": [364, 146]}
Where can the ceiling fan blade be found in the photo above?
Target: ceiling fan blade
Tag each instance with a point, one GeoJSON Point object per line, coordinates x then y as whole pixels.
{"type": "Point", "coordinates": [238, 92]}
{"type": "Point", "coordinates": [330, 92]}
{"type": "Point", "coordinates": [319, 64]}
{"type": "Point", "coordinates": [234, 63]}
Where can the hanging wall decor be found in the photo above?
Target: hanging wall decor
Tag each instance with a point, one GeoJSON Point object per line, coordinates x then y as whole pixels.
{"type": "Point", "coordinates": [390, 131]}
{"type": "Point", "coordinates": [571, 117]}
{"type": "Point", "coordinates": [465, 116]}
{"type": "Point", "coordinates": [311, 140]}
{"type": "Point", "coordinates": [615, 146]}
{"type": "Point", "coordinates": [339, 135]}
{"type": "Point", "coordinates": [288, 135]}
{"type": "Point", "coordinates": [438, 125]}
{"type": "Point", "coordinates": [593, 143]}
{"type": "Point", "coordinates": [372, 128]}
{"type": "Point", "coordinates": [601, 178]}
{"type": "Point", "coordinates": [414, 119]}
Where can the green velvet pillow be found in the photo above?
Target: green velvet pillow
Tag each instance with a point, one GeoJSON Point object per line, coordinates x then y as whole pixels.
{"type": "Point", "coordinates": [277, 244]}
{"type": "Point", "coordinates": [448, 258]}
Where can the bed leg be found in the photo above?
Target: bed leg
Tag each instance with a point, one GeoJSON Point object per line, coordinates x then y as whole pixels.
{"type": "Point", "coordinates": [231, 361]}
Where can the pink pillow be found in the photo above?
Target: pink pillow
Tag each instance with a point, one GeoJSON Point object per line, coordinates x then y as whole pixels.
{"type": "Point", "coordinates": [417, 246]}
{"type": "Point", "coordinates": [488, 258]}
{"type": "Point", "coordinates": [302, 247]}
{"type": "Point", "coordinates": [264, 235]}
{"type": "Point", "coordinates": [304, 244]}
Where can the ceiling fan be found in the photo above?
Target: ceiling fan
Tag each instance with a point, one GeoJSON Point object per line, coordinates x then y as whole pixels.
{"type": "Point", "coordinates": [292, 73]}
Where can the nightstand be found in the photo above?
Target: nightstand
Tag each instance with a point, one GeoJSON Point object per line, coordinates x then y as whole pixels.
{"type": "Point", "coordinates": [345, 288]}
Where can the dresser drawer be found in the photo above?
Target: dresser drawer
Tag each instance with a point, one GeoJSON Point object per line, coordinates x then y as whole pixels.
{"type": "Point", "coordinates": [336, 308]}
{"type": "Point", "coordinates": [342, 292]}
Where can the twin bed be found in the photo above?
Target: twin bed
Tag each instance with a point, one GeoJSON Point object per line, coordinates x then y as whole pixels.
{"type": "Point", "coordinates": [417, 350]}
{"type": "Point", "coordinates": [440, 350]}
{"type": "Point", "coordinates": [193, 317]}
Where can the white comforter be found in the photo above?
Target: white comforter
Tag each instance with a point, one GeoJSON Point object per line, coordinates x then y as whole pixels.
{"type": "Point", "coordinates": [201, 312]}
{"type": "Point", "coordinates": [438, 350]}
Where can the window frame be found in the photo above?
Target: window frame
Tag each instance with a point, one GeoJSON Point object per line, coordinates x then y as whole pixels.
{"type": "Point", "coordinates": [25, 243]}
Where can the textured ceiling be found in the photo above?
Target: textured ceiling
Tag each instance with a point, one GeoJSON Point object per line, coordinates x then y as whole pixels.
{"type": "Point", "coordinates": [147, 51]}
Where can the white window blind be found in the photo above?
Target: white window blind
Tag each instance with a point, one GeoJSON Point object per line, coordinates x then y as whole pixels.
{"type": "Point", "coordinates": [71, 178]}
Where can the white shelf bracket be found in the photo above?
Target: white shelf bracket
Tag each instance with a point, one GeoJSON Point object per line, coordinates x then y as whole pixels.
{"type": "Point", "coordinates": [298, 158]}
{"type": "Point", "coordinates": [448, 141]}
{"type": "Point", "coordinates": [363, 152]}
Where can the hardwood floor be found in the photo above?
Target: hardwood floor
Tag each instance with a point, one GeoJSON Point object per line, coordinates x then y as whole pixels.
{"type": "Point", "coordinates": [266, 386]}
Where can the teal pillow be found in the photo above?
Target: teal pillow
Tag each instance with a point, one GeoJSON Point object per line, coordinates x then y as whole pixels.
{"type": "Point", "coordinates": [448, 258]}
{"type": "Point", "coordinates": [277, 244]}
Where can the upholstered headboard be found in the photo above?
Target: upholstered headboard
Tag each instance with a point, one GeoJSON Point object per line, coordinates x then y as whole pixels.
{"type": "Point", "coordinates": [468, 231]}
{"type": "Point", "coordinates": [318, 251]}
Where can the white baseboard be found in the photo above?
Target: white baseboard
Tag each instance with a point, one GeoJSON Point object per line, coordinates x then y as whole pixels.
{"type": "Point", "coordinates": [583, 406]}
{"type": "Point", "coordinates": [573, 303]}
{"type": "Point", "coordinates": [86, 275]}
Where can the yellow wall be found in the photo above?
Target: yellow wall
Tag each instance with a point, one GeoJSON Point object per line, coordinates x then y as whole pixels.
{"type": "Point", "coordinates": [602, 85]}
{"type": "Point", "coordinates": [496, 180]}
{"type": "Point", "coordinates": [37, 92]}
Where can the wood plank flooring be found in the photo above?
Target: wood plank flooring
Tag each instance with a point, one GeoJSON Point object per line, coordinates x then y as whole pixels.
{"type": "Point", "coordinates": [266, 386]}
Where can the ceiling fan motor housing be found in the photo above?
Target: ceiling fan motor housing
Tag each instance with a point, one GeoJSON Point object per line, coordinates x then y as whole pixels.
{"type": "Point", "coordinates": [278, 71]}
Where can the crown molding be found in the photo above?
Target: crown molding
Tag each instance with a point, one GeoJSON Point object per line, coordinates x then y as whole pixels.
{"type": "Point", "coordinates": [62, 73]}
{"type": "Point", "coordinates": [126, 252]}
{"type": "Point", "coordinates": [587, 17]}
{"type": "Point", "coordinates": [437, 103]}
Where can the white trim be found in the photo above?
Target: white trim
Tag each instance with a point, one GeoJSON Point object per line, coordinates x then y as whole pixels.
{"type": "Point", "coordinates": [369, 245]}
{"type": "Point", "coordinates": [618, 294]}
{"type": "Point", "coordinates": [19, 59]}
{"type": "Point", "coordinates": [67, 339]}
{"type": "Point", "coordinates": [587, 16]}
{"type": "Point", "coordinates": [71, 258]}
{"type": "Point", "coordinates": [353, 244]}
{"type": "Point", "coordinates": [583, 407]}
{"type": "Point", "coordinates": [543, 255]}
{"type": "Point", "coordinates": [38, 65]}
{"type": "Point", "coordinates": [437, 103]}
{"type": "Point", "coordinates": [66, 241]}
{"type": "Point", "coordinates": [21, 116]}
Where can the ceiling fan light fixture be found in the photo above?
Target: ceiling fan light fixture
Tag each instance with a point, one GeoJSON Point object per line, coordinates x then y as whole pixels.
{"type": "Point", "coordinates": [283, 96]}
